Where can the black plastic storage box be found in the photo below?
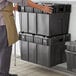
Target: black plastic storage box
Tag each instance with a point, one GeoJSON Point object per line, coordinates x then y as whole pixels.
{"type": "Point", "coordinates": [71, 46]}
{"type": "Point", "coordinates": [38, 22]}
{"type": "Point", "coordinates": [43, 35]}
{"type": "Point", "coordinates": [51, 53]}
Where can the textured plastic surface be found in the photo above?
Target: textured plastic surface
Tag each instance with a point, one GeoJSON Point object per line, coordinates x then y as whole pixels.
{"type": "Point", "coordinates": [26, 37]}
{"type": "Point", "coordinates": [28, 9]}
{"type": "Point", "coordinates": [51, 55]}
{"type": "Point", "coordinates": [28, 51]}
{"type": "Point", "coordinates": [54, 24]}
{"type": "Point", "coordinates": [43, 24]}
{"type": "Point", "coordinates": [38, 39]}
{"type": "Point", "coordinates": [32, 52]}
{"type": "Point", "coordinates": [24, 51]}
{"type": "Point", "coordinates": [37, 10]}
{"type": "Point", "coordinates": [44, 40]}
{"type": "Point", "coordinates": [71, 46]}
{"type": "Point", "coordinates": [61, 8]}
{"type": "Point", "coordinates": [57, 8]}
{"type": "Point", "coordinates": [22, 36]}
{"type": "Point", "coordinates": [24, 22]}
{"type": "Point", "coordinates": [67, 37]}
{"type": "Point", "coordinates": [32, 23]}
{"type": "Point", "coordinates": [43, 54]}
{"type": "Point", "coordinates": [58, 54]}
{"type": "Point", "coordinates": [71, 60]}
{"type": "Point", "coordinates": [29, 37]}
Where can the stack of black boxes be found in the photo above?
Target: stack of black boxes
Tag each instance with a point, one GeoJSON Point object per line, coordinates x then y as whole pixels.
{"type": "Point", "coordinates": [43, 35]}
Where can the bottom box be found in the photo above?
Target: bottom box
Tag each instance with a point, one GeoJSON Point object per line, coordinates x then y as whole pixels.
{"type": "Point", "coordinates": [49, 56]}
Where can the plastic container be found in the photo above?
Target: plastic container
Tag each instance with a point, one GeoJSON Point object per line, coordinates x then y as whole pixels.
{"type": "Point", "coordinates": [36, 22]}
{"type": "Point", "coordinates": [71, 46]}
{"type": "Point", "coordinates": [71, 60]}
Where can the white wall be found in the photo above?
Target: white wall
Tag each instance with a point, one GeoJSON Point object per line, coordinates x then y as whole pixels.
{"type": "Point", "coordinates": [72, 28]}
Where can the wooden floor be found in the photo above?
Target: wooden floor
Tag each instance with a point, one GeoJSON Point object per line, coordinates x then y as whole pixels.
{"type": "Point", "coordinates": [24, 68]}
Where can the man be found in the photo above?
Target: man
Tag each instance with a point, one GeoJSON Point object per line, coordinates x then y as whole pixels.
{"type": "Point", "coordinates": [8, 32]}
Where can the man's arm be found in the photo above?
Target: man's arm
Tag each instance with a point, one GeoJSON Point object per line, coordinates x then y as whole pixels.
{"type": "Point", "coordinates": [46, 8]}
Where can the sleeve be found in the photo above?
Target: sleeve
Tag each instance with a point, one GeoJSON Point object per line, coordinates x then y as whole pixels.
{"type": "Point", "coordinates": [1, 1]}
{"type": "Point", "coordinates": [20, 2]}
{"type": "Point", "coordinates": [15, 1]}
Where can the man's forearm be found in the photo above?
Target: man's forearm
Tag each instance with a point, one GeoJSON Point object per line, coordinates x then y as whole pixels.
{"type": "Point", "coordinates": [32, 4]}
{"type": "Point", "coordinates": [44, 8]}
{"type": "Point", "coordinates": [29, 2]}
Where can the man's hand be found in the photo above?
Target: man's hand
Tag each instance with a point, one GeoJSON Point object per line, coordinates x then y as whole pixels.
{"type": "Point", "coordinates": [47, 9]}
{"type": "Point", "coordinates": [15, 8]}
{"type": "Point", "coordinates": [44, 8]}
